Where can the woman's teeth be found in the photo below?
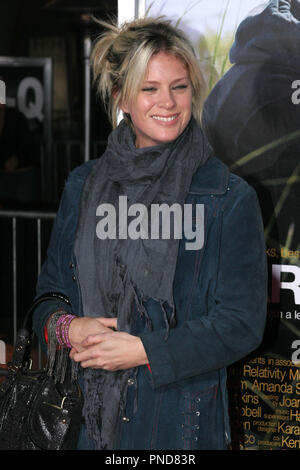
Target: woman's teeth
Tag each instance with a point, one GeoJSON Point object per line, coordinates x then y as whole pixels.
{"type": "Point", "coordinates": [165, 119]}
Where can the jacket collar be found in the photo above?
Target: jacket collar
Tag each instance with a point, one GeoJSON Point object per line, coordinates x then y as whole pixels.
{"type": "Point", "coordinates": [211, 178]}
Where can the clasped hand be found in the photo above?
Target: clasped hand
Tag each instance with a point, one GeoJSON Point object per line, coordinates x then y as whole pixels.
{"type": "Point", "coordinates": [96, 345]}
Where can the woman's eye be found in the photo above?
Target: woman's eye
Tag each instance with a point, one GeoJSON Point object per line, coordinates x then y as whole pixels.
{"type": "Point", "coordinates": [149, 89]}
{"type": "Point", "coordinates": [153, 89]}
{"type": "Point", "coordinates": [180, 87]}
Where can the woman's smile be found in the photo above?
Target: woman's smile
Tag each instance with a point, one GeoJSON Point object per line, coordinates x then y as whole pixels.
{"type": "Point", "coordinates": [166, 119]}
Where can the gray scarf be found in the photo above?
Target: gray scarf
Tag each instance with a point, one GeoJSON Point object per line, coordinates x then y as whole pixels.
{"type": "Point", "coordinates": [117, 276]}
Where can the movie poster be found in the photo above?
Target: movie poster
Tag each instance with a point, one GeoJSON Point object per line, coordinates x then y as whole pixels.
{"type": "Point", "coordinates": [252, 114]}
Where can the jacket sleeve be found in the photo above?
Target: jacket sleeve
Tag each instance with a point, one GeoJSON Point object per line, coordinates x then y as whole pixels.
{"type": "Point", "coordinates": [235, 323]}
{"type": "Point", "coordinates": [52, 277]}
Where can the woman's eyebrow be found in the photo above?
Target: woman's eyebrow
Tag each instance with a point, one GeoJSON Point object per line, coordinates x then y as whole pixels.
{"type": "Point", "coordinates": [173, 81]}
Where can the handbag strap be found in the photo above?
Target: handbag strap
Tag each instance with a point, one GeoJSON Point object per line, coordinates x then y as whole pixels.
{"type": "Point", "coordinates": [38, 301]}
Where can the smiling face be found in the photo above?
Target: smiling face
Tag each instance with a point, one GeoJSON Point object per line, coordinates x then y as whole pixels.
{"type": "Point", "coordinates": [163, 105]}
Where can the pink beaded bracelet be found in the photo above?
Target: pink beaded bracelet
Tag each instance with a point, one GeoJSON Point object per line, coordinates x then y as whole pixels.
{"type": "Point", "coordinates": [62, 330]}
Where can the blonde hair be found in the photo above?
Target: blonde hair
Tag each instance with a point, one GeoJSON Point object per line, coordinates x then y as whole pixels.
{"type": "Point", "coordinates": [121, 55]}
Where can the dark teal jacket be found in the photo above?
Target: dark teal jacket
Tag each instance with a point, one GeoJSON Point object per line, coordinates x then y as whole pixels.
{"type": "Point", "coordinates": [220, 293]}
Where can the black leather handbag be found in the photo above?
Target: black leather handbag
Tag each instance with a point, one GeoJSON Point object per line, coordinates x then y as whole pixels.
{"type": "Point", "coordinates": [36, 411]}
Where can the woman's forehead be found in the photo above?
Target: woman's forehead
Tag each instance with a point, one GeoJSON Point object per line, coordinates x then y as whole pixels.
{"type": "Point", "coordinates": [165, 64]}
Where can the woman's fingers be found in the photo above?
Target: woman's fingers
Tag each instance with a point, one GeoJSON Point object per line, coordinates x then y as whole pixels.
{"type": "Point", "coordinates": [111, 351]}
{"type": "Point", "coordinates": [94, 339]}
{"type": "Point", "coordinates": [92, 353]}
{"type": "Point", "coordinates": [108, 322]}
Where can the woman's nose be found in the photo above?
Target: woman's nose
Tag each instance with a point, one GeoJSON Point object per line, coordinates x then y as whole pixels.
{"type": "Point", "coordinates": [167, 99]}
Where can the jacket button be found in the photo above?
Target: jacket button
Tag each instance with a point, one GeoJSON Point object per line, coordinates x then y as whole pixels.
{"type": "Point", "coordinates": [198, 413]}
{"type": "Point", "coordinates": [71, 265]}
{"type": "Point", "coordinates": [74, 278]}
{"type": "Point", "coordinates": [130, 381]}
{"type": "Point", "coordinates": [126, 419]}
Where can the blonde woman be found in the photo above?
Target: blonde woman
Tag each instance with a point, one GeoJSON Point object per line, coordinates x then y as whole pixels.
{"type": "Point", "coordinates": [157, 313]}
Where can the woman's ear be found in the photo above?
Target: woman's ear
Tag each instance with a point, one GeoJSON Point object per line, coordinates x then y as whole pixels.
{"type": "Point", "coordinates": [123, 107]}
